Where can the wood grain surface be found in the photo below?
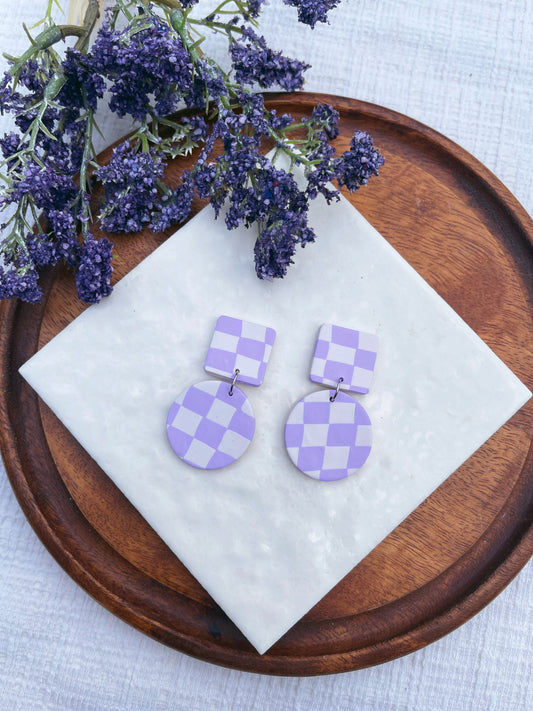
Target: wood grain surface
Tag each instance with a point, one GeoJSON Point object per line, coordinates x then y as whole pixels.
{"type": "Point", "coordinates": [463, 231]}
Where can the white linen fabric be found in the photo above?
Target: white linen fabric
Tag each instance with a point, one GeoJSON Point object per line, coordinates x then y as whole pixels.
{"type": "Point", "coordinates": [466, 70]}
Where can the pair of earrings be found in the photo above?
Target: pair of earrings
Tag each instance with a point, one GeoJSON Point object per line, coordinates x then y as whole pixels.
{"type": "Point", "coordinates": [328, 433]}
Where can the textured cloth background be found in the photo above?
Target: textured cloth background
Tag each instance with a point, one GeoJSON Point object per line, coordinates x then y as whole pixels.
{"type": "Point", "coordinates": [466, 69]}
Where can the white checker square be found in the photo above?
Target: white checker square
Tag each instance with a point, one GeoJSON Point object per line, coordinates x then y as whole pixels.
{"type": "Point", "coordinates": [221, 412]}
{"type": "Point", "coordinates": [313, 474]}
{"type": "Point", "coordinates": [205, 386]}
{"type": "Point", "coordinates": [318, 367]}
{"type": "Point", "coordinates": [363, 377]}
{"type": "Point", "coordinates": [187, 421]}
{"type": "Point", "coordinates": [293, 453]}
{"type": "Point", "coordinates": [254, 331]}
{"type": "Point", "coordinates": [368, 341]}
{"type": "Point", "coordinates": [341, 354]}
{"type": "Point", "coordinates": [325, 332]}
{"type": "Point", "coordinates": [233, 443]}
{"type": "Point", "coordinates": [200, 453]}
{"type": "Point", "coordinates": [342, 412]}
{"type": "Point", "coordinates": [364, 436]}
{"type": "Point", "coordinates": [224, 341]}
{"type": "Point", "coordinates": [335, 457]}
{"type": "Point", "coordinates": [297, 415]}
{"type": "Point", "coordinates": [315, 435]}
{"type": "Point", "coordinates": [249, 367]}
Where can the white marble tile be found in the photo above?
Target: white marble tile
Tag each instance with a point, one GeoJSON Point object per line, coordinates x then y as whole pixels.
{"type": "Point", "coordinates": [266, 541]}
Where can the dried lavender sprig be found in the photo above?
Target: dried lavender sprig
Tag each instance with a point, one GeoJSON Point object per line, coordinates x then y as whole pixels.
{"type": "Point", "coordinates": [254, 189]}
{"type": "Point", "coordinates": [29, 183]}
{"type": "Point", "coordinates": [231, 178]}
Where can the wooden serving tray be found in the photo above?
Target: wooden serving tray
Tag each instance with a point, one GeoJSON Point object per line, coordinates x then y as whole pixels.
{"type": "Point", "coordinates": [469, 238]}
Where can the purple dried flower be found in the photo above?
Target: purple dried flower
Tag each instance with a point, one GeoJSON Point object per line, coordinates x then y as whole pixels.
{"type": "Point", "coordinates": [9, 144]}
{"type": "Point", "coordinates": [356, 166]}
{"type": "Point", "coordinates": [84, 85]}
{"type": "Point", "coordinates": [208, 184]}
{"type": "Point", "coordinates": [130, 181]}
{"type": "Point", "coordinates": [254, 8]}
{"type": "Point", "coordinates": [10, 101]}
{"type": "Point", "coordinates": [20, 283]}
{"type": "Point", "coordinates": [273, 252]}
{"type": "Point", "coordinates": [196, 128]}
{"type": "Point", "coordinates": [276, 244]}
{"type": "Point", "coordinates": [257, 117]}
{"type": "Point", "coordinates": [255, 63]}
{"type": "Point", "coordinates": [208, 84]}
{"type": "Point", "coordinates": [232, 168]}
{"type": "Point", "coordinates": [275, 195]}
{"type": "Point", "coordinates": [327, 118]}
{"type": "Point", "coordinates": [149, 70]}
{"type": "Point", "coordinates": [312, 11]}
{"type": "Point", "coordinates": [63, 226]}
{"type": "Point", "coordinates": [64, 154]}
{"type": "Point", "coordinates": [49, 190]}
{"type": "Point", "coordinates": [231, 125]}
{"type": "Point", "coordinates": [322, 173]}
{"type": "Point", "coordinates": [6, 91]}
{"type": "Point", "coordinates": [35, 75]}
{"type": "Point", "coordinates": [61, 242]}
{"type": "Point", "coordinates": [258, 193]}
{"type": "Point", "coordinates": [212, 78]}
{"type": "Point", "coordinates": [278, 123]}
{"type": "Point", "coordinates": [174, 208]}
{"type": "Point", "coordinates": [93, 278]}
{"type": "Point", "coordinates": [42, 250]}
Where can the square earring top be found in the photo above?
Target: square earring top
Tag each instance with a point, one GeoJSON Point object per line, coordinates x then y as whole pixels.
{"type": "Point", "coordinates": [242, 345]}
{"type": "Point", "coordinates": [344, 353]}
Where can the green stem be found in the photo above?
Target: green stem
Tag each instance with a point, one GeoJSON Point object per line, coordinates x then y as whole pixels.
{"type": "Point", "coordinates": [219, 9]}
{"type": "Point", "coordinates": [43, 41]}
{"type": "Point", "coordinates": [15, 239]}
{"type": "Point", "coordinates": [53, 34]}
{"type": "Point", "coordinates": [71, 30]}
{"type": "Point", "coordinates": [178, 21]}
{"type": "Point", "coordinates": [171, 4]}
{"type": "Point", "coordinates": [282, 145]}
{"type": "Point", "coordinates": [36, 220]}
{"type": "Point", "coordinates": [224, 27]}
{"type": "Point", "coordinates": [87, 152]}
{"type": "Point", "coordinates": [48, 14]}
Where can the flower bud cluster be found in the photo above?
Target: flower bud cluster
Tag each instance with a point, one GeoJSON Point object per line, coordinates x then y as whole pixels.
{"type": "Point", "coordinates": [150, 67]}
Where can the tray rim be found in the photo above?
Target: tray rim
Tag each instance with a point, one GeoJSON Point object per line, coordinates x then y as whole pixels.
{"type": "Point", "coordinates": [494, 575]}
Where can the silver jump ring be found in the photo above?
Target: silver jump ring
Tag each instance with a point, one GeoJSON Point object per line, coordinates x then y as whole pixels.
{"type": "Point", "coordinates": [332, 398]}
{"type": "Point", "coordinates": [237, 371]}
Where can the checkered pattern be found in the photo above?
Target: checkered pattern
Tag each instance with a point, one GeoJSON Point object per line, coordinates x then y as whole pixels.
{"type": "Point", "coordinates": [241, 345]}
{"type": "Point", "coordinates": [209, 428]}
{"type": "Point", "coordinates": [328, 440]}
{"type": "Point", "coordinates": [344, 353]}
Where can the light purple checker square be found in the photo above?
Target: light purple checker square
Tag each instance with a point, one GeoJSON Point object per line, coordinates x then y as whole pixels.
{"type": "Point", "coordinates": [241, 345]}
{"type": "Point", "coordinates": [344, 353]}
{"type": "Point", "coordinates": [328, 440]}
{"type": "Point", "coordinates": [209, 428]}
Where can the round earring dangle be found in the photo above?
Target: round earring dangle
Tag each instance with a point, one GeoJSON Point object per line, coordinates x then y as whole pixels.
{"type": "Point", "coordinates": [211, 424]}
{"type": "Point", "coordinates": [328, 433]}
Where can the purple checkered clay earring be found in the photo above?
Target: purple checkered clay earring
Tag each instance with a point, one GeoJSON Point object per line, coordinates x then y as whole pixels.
{"type": "Point", "coordinates": [211, 423]}
{"type": "Point", "coordinates": [328, 434]}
